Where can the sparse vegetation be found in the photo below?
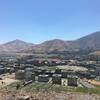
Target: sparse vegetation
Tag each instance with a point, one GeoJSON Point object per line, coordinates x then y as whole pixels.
{"type": "Point", "coordinates": [56, 88]}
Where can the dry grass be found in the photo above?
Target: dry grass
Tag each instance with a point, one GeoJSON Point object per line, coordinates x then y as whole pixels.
{"type": "Point", "coordinates": [4, 95]}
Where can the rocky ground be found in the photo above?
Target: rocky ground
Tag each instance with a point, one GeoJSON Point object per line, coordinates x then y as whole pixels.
{"type": "Point", "coordinates": [21, 95]}
{"type": "Point", "coordinates": [42, 91]}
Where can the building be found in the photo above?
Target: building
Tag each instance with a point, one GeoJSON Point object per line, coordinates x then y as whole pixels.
{"type": "Point", "coordinates": [64, 74]}
{"type": "Point", "coordinates": [43, 78]}
{"type": "Point", "coordinates": [50, 73]}
{"type": "Point", "coordinates": [72, 80]}
{"type": "Point", "coordinates": [56, 79]}
{"type": "Point", "coordinates": [29, 76]}
{"type": "Point", "coordinates": [20, 74]}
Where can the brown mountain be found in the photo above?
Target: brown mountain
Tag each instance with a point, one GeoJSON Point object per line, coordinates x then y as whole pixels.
{"type": "Point", "coordinates": [90, 42]}
{"type": "Point", "coordinates": [14, 46]}
{"type": "Point", "coordinates": [53, 45]}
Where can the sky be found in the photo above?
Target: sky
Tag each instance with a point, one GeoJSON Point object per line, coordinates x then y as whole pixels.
{"type": "Point", "coordinates": [36, 21]}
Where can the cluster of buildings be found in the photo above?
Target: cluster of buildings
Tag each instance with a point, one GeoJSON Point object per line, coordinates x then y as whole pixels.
{"type": "Point", "coordinates": [29, 69]}
{"type": "Point", "coordinates": [29, 72]}
{"type": "Point", "coordinates": [50, 76]}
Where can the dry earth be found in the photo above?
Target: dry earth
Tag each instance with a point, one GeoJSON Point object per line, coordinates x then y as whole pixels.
{"type": "Point", "coordinates": [7, 79]}
{"type": "Point", "coordinates": [15, 95]}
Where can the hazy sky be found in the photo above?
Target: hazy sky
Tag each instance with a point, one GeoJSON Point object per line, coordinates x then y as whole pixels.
{"type": "Point", "coordinates": [39, 20]}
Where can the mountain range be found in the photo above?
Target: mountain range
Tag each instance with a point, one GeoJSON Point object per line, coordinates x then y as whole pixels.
{"type": "Point", "coordinates": [90, 42]}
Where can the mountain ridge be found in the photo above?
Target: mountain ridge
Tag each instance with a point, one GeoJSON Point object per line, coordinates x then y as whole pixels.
{"type": "Point", "coordinates": [89, 42]}
{"type": "Point", "coordinates": [14, 46]}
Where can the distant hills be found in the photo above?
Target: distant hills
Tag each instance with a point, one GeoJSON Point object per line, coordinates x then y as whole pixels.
{"type": "Point", "coordinates": [90, 42]}
{"type": "Point", "coordinates": [14, 46]}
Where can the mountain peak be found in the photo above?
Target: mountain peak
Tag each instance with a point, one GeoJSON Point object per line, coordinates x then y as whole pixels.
{"type": "Point", "coordinates": [91, 41]}
{"type": "Point", "coordinates": [17, 41]}
{"type": "Point", "coordinates": [15, 46]}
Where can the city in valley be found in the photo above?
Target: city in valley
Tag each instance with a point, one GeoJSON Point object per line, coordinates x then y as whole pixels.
{"type": "Point", "coordinates": [56, 75]}
{"type": "Point", "coordinates": [49, 49]}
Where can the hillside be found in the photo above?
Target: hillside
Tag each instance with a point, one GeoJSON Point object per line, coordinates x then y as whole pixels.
{"type": "Point", "coordinates": [96, 53]}
{"type": "Point", "coordinates": [88, 43]}
{"type": "Point", "coordinates": [91, 41]}
{"type": "Point", "coordinates": [14, 46]}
